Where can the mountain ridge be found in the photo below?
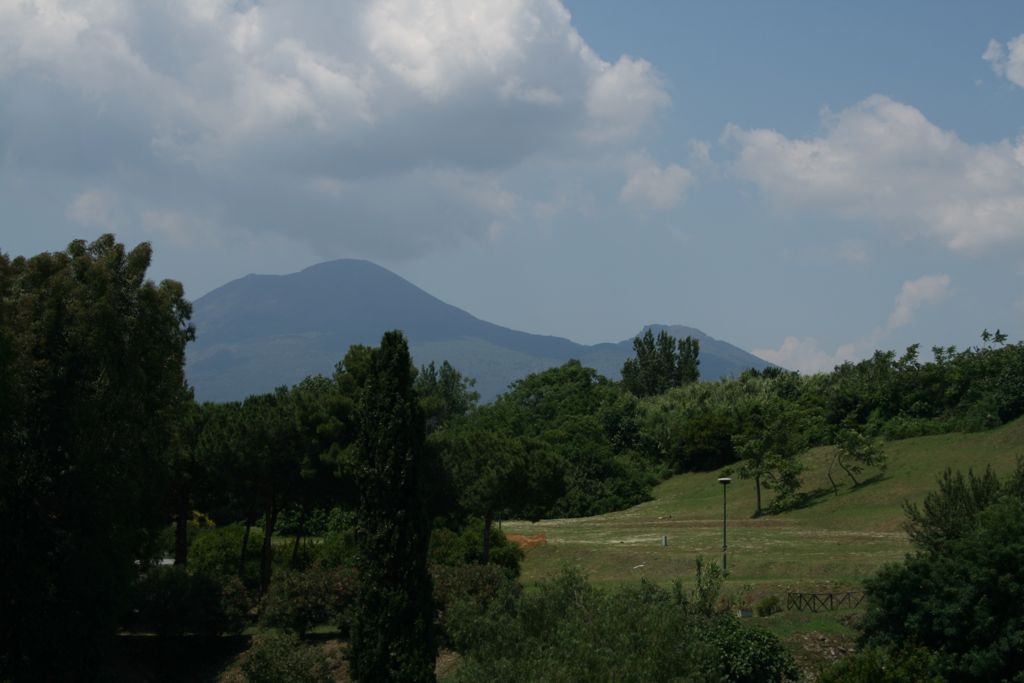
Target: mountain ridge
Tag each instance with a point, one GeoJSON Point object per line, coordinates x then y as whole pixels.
{"type": "Point", "coordinates": [262, 331]}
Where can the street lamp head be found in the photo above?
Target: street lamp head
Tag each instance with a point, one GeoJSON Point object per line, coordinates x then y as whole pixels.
{"type": "Point", "coordinates": [724, 481]}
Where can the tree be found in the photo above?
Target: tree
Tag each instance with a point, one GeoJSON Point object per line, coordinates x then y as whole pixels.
{"type": "Point", "coordinates": [962, 604]}
{"type": "Point", "coordinates": [91, 357]}
{"type": "Point", "coordinates": [852, 453]}
{"type": "Point", "coordinates": [495, 472]}
{"type": "Point", "coordinates": [660, 363]}
{"type": "Point", "coordinates": [444, 394]}
{"type": "Point", "coordinates": [950, 511]}
{"type": "Point", "coordinates": [393, 633]}
{"type": "Point", "coordinates": [575, 415]}
{"type": "Point", "coordinates": [769, 446]}
{"type": "Point", "coordinates": [187, 473]}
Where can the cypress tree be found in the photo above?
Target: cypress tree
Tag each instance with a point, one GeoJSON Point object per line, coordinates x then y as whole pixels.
{"type": "Point", "coordinates": [393, 635]}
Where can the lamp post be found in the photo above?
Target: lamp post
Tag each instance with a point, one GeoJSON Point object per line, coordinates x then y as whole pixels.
{"type": "Point", "coordinates": [724, 481]}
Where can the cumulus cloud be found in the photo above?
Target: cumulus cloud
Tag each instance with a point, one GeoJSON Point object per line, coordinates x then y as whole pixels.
{"type": "Point", "coordinates": [926, 290]}
{"type": "Point", "coordinates": [621, 97]}
{"type": "Point", "coordinates": [308, 118]}
{"type": "Point", "coordinates": [1007, 61]}
{"type": "Point", "coordinates": [805, 355]}
{"type": "Point", "coordinates": [884, 160]}
{"type": "Point", "coordinates": [649, 184]}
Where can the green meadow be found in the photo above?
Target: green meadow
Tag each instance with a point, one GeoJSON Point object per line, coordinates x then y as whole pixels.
{"type": "Point", "coordinates": [831, 543]}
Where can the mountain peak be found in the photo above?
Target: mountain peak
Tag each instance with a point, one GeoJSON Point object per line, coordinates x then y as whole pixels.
{"type": "Point", "coordinates": [262, 331]}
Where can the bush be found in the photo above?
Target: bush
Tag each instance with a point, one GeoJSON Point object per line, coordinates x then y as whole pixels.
{"type": "Point", "coordinates": [880, 665]}
{"type": "Point", "coordinates": [768, 606]}
{"type": "Point", "coordinates": [961, 601]}
{"type": "Point", "coordinates": [283, 658]}
{"type": "Point", "coordinates": [300, 600]}
{"type": "Point", "coordinates": [466, 546]}
{"type": "Point", "coordinates": [748, 654]}
{"type": "Point", "coordinates": [215, 553]}
{"type": "Point", "coordinates": [337, 549]}
{"type": "Point", "coordinates": [170, 601]}
{"type": "Point", "coordinates": [465, 594]}
{"type": "Point", "coordinates": [567, 630]}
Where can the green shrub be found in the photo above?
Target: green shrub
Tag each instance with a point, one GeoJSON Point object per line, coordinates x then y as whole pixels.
{"type": "Point", "coordinates": [170, 601]}
{"type": "Point", "coordinates": [466, 546]}
{"type": "Point", "coordinates": [567, 630]}
{"type": "Point", "coordinates": [748, 654]}
{"type": "Point", "coordinates": [339, 520]}
{"type": "Point", "coordinates": [216, 552]}
{"type": "Point", "coordinates": [293, 520]}
{"type": "Point", "coordinates": [903, 427]}
{"type": "Point", "coordinates": [961, 599]}
{"type": "Point", "coordinates": [768, 606]}
{"type": "Point", "coordinates": [284, 658]}
{"type": "Point", "coordinates": [880, 665]}
{"type": "Point", "coordinates": [464, 595]}
{"type": "Point", "coordinates": [299, 600]}
{"type": "Point", "coordinates": [336, 549]}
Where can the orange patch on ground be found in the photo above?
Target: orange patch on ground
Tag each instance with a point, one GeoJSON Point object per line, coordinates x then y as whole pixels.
{"type": "Point", "coordinates": [527, 542]}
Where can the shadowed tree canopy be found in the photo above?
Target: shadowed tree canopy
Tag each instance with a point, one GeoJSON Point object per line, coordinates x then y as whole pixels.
{"type": "Point", "coordinates": [91, 384]}
{"type": "Point", "coordinates": [393, 634]}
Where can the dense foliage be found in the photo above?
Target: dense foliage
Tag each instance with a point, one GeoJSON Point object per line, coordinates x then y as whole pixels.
{"type": "Point", "coordinates": [393, 631]}
{"type": "Point", "coordinates": [91, 387]}
{"type": "Point", "coordinates": [660, 364]}
{"type": "Point", "coordinates": [568, 630]}
{"type": "Point", "coordinates": [958, 596]}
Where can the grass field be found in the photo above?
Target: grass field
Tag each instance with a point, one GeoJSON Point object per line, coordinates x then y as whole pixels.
{"type": "Point", "coordinates": [833, 543]}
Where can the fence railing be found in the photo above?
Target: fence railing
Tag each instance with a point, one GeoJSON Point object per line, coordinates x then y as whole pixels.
{"type": "Point", "coordinates": [820, 602]}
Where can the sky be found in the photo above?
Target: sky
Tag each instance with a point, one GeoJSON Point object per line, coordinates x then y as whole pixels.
{"type": "Point", "coordinates": [810, 181]}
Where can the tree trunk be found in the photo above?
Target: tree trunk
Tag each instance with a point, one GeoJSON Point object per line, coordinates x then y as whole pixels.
{"type": "Point", "coordinates": [250, 519]}
{"type": "Point", "coordinates": [835, 488]}
{"type": "Point", "coordinates": [848, 473]}
{"type": "Point", "coordinates": [488, 520]}
{"type": "Point", "coordinates": [757, 486]}
{"type": "Point", "coordinates": [298, 536]}
{"type": "Point", "coordinates": [269, 519]}
{"type": "Point", "coordinates": [181, 530]}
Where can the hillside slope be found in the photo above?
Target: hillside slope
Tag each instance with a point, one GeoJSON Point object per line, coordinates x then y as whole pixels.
{"type": "Point", "coordinates": [834, 542]}
{"type": "Point", "coordinates": [262, 331]}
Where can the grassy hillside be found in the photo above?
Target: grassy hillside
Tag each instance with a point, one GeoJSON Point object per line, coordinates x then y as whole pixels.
{"type": "Point", "coordinates": [832, 543]}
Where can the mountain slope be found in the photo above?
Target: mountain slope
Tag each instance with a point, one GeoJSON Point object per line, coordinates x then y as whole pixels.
{"type": "Point", "coordinates": [262, 331]}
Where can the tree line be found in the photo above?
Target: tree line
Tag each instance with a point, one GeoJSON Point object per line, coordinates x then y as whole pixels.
{"type": "Point", "coordinates": [382, 479]}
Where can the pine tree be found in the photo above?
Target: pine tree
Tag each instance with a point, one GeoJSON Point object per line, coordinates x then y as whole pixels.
{"type": "Point", "coordinates": [393, 637]}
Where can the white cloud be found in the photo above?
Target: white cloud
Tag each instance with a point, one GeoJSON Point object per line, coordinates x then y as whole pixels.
{"type": "Point", "coordinates": [622, 97]}
{"type": "Point", "coordinates": [805, 356]}
{"type": "Point", "coordinates": [926, 290]}
{"type": "Point", "coordinates": [884, 160]}
{"type": "Point", "coordinates": [307, 118]}
{"type": "Point", "coordinates": [1007, 61]}
{"type": "Point", "coordinates": [652, 185]}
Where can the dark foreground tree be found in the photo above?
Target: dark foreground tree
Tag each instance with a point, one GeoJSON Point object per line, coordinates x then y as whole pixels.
{"type": "Point", "coordinates": [91, 382]}
{"type": "Point", "coordinates": [393, 636]}
{"type": "Point", "coordinates": [958, 596]}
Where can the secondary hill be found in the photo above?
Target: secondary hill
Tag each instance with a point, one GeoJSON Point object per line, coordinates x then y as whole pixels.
{"type": "Point", "coordinates": [263, 331]}
{"type": "Point", "coordinates": [831, 544]}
